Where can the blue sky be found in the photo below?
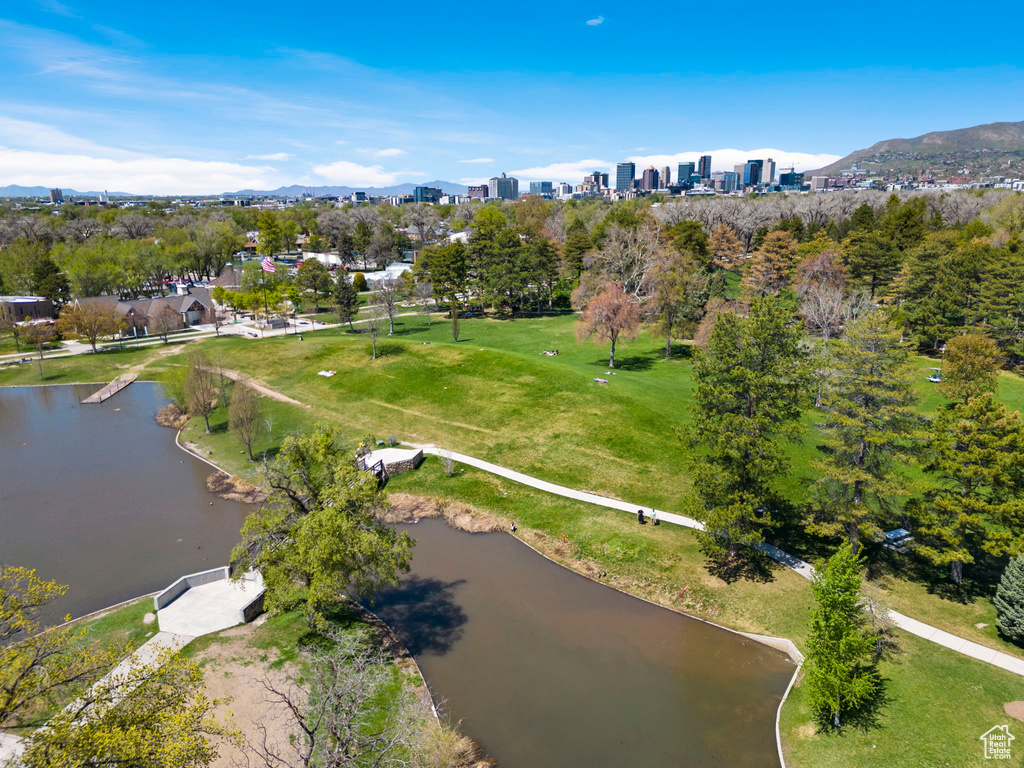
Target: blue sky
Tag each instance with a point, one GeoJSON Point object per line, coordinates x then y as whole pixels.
{"type": "Point", "coordinates": [206, 98]}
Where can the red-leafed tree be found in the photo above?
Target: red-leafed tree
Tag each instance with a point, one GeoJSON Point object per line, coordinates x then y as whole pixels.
{"type": "Point", "coordinates": [611, 314]}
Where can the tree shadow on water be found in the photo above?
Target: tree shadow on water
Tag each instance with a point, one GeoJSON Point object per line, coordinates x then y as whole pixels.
{"type": "Point", "coordinates": [423, 613]}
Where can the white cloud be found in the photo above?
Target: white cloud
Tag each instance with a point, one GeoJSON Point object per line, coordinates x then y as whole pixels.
{"type": "Point", "coordinates": [25, 134]}
{"type": "Point", "coordinates": [392, 152]}
{"type": "Point", "coordinates": [595, 22]}
{"type": "Point", "coordinates": [348, 174]}
{"type": "Point", "coordinates": [141, 175]}
{"type": "Point", "coordinates": [725, 159]}
{"type": "Point", "coordinates": [275, 156]}
{"type": "Point", "coordinates": [477, 160]}
{"type": "Point", "coordinates": [572, 172]}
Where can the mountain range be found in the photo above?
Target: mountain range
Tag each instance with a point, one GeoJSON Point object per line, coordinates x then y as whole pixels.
{"type": "Point", "coordinates": [990, 149]}
{"type": "Point", "coordinates": [14, 190]}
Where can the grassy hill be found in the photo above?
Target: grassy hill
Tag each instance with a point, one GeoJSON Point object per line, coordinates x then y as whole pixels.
{"type": "Point", "coordinates": [991, 149]}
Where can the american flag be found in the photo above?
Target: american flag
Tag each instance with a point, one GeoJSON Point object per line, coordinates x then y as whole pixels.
{"type": "Point", "coordinates": [267, 264]}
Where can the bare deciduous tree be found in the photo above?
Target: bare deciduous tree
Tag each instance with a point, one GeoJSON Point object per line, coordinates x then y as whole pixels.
{"type": "Point", "coordinates": [245, 414]}
{"type": "Point", "coordinates": [375, 317]}
{"type": "Point", "coordinates": [200, 387]}
{"type": "Point", "coordinates": [424, 293]}
{"type": "Point", "coordinates": [612, 314]}
{"type": "Point", "coordinates": [389, 293]}
{"type": "Point", "coordinates": [343, 714]}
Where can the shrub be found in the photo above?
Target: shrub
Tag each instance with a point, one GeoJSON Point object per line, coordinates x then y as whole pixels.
{"type": "Point", "coordinates": [359, 281]}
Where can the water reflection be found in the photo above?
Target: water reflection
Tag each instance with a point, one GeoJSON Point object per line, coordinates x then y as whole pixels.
{"type": "Point", "coordinates": [423, 613]}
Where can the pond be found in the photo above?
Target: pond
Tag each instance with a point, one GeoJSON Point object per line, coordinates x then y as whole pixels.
{"type": "Point", "coordinates": [99, 497]}
{"type": "Point", "coordinates": [543, 667]}
{"type": "Point", "coordinates": [547, 668]}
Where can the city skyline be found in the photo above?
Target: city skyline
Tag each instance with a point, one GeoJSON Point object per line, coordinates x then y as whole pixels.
{"type": "Point", "coordinates": [119, 96]}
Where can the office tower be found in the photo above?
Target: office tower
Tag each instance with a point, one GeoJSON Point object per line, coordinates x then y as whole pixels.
{"type": "Point", "coordinates": [541, 188]}
{"type": "Point", "coordinates": [598, 179]}
{"type": "Point", "coordinates": [649, 181]}
{"type": "Point", "coordinates": [684, 172]}
{"type": "Point", "coordinates": [477, 192]}
{"type": "Point", "coordinates": [751, 171]}
{"type": "Point", "coordinates": [725, 181]}
{"type": "Point", "coordinates": [666, 177]}
{"type": "Point", "coordinates": [704, 167]}
{"type": "Point", "coordinates": [563, 188]}
{"type": "Point", "coordinates": [788, 179]}
{"type": "Point", "coordinates": [426, 195]}
{"type": "Point", "coordinates": [503, 187]}
{"type": "Point", "coordinates": [757, 174]}
{"type": "Point", "coordinates": [56, 195]}
{"type": "Point", "coordinates": [625, 174]}
{"type": "Point", "coordinates": [768, 172]}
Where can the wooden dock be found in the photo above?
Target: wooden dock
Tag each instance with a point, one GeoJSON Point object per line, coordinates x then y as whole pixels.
{"type": "Point", "coordinates": [110, 390]}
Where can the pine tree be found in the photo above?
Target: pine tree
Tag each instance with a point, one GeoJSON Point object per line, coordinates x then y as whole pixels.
{"type": "Point", "coordinates": [870, 420]}
{"type": "Point", "coordinates": [873, 260]}
{"type": "Point", "coordinates": [346, 298]}
{"type": "Point", "coordinates": [725, 246]}
{"type": "Point", "coordinates": [752, 379]}
{"type": "Point", "coordinates": [977, 456]}
{"type": "Point", "coordinates": [1009, 600]}
{"type": "Point", "coordinates": [577, 243]}
{"type": "Point", "coordinates": [970, 367]}
{"type": "Point", "coordinates": [839, 670]}
{"type": "Point", "coordinates": [771, 266]}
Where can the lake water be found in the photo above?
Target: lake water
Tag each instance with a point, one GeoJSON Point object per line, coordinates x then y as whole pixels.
{"type": "Point", "coordinates": [543, 667]}
{"type": "Point", "coordinates": [548, 669]}
{"type": "Point", "coordinates": [99, 497]}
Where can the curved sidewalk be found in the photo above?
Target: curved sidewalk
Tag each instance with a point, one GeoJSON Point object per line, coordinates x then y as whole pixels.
{"type": "Point", "coordinates": [803, 568]}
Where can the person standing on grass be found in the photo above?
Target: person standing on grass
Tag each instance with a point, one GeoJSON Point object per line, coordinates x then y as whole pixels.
{"type": "Point", "coordinates": [640, 516]}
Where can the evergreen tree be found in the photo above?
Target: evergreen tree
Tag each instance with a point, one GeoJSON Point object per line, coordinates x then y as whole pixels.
{"type": "Point", "coordinates": [970, 367]}
{"type": "Point", "coordinates": [577, 244]}
{"type": "Point", "coordinates": [863, 218]}
{"type": "Point", "coordinates": [839, 669]}
{"type": "Point", "coordinates": [752, 380]}
{"type": "Point", "coordinates": [725, 247]}
{"type": "Point", "coordinates": [771, 266]}
{"type": "Point", "coordinates": [362, 236]}
{"type": "Point", "coordinates": [446, 268]}
{"type": "Point", "coordinates": [1009, 600]}
{"type": "Point", "coordinates": [690, 237]}
{"type": "Point", "coordinates": [49, 281]}
{"type": "Point", "coordinates": [904, 223]}
{"type": "Point", "coordinates": [873, 260]}
{"type": "Point", "coordinates": [977, 456]}
{"type": "Point", "coordinates": [346, 298]}
{"type": "Point", "coordinates": [870, 420]}
{"type": "Point", "coordinates": [676, 294]}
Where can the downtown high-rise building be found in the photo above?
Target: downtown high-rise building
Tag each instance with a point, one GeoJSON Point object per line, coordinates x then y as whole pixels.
{"type": "Point", "coordinates": [599, 179]}
{"type": "Point", "coordinates": [625, 175]}
{"type": "Point", "coordinates": [503, 187]}
{"type": "Point", "coordinates": [704, 167]}
{"type": "Point", "coordinates": [541, 188]}
{"type": "Point", "coordinates": [768, 172]}
{"type": "Point", "coordinates": [666, 177]}
{"type": "Point", "coordinates": [684, 172]}
{"type": "Point", "coordinates": [751, 171]}
{"type": "Point", "coordinates": [649, 181]}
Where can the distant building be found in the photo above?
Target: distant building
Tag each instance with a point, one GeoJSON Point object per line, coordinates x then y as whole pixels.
{"type": "Point", "coordinates": [598, 179]}
{"type": "Point", "coordinates": [625, 175]}
{"type": "Point", "coordinates": [563, 189]}
{"type": "Point", "coordinates": [684, 172]}
{"type": "Point", "coordinates": [358, 197]}
{"type": "Point", "coordinates": [400, 199]}
{"type": "Point", "coordinates": [56, 195]}
{"type": "Point", "coordinates": [725, 181]}
{"type": "Point", "coordinates": [503, 187]}
{"type": "Point", "coordinates": [768, 172]}
{"type": "Point", "coordinates": [819, 183]}
{"type": "Point", "coordinates": [752, 173]}
{"type": "Point", "coordinates": [477, 193]}
{"type": "Point", "coordinates": [650, 178]}
{"type": "Point", "coordinates": [789, 179]}
{"type": "Point", "coordinates": [704, 167]}
{"type": "Point", "coordinates": [666, 177]}
{"type": "Point", "coordinates": [426, 195]}
{"type": "Point", "coordinates": [541, 188]}
{"type": "Point", "coordinates": [738, 169]}
{"type": "Point", "coordinates": [18, 308]}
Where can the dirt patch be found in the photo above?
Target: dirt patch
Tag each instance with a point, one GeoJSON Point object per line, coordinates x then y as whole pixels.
{"type": "Point", "coordinates": [260, 387]}
{"type": "Point", "coordinates": [1014, 709]}
{"type": "Point", "coordinates": [171, 416]}
{"type": "Point", "coordinates": [232, 677]}
{"type": "Point", "coordinates": [406, 508]}
{"type": "Point", "coordinates": [234, 488]}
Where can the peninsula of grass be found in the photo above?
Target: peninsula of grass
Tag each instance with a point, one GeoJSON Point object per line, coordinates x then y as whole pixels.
{"type": "Point", "coordinates": [493, 395]}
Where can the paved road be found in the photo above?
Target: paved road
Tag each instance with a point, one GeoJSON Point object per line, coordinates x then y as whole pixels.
{"type": "Point", "coordinates": [805, 569]}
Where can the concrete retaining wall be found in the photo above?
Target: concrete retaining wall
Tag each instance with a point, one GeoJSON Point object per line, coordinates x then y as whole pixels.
{"type": "Point", "coordinates": [398, 467]}
{"type": "Point", "coordinates": [182, 585]}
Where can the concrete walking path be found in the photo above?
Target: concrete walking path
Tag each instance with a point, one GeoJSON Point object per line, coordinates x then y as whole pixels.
{"type": "Point", "coordinates": [801, 567]}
